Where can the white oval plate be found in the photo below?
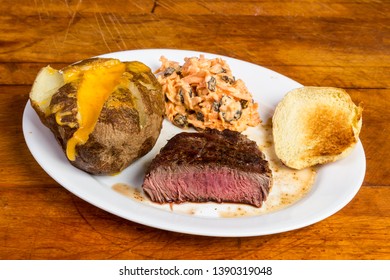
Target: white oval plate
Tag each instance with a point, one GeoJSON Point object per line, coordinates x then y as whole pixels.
{"type": "Point", "coordinates": [335, 186]}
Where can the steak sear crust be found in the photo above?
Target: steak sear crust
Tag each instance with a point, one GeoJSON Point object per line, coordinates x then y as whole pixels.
{"type": "Point", "coordinates": [209, 166]}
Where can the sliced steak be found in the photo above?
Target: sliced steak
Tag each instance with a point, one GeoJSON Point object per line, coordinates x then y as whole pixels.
{"type": "Point", "coordinates": [209, 166]}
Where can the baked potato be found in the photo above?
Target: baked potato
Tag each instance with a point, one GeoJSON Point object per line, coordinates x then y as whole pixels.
{"type": "Point", "coordinates": [104, 113]}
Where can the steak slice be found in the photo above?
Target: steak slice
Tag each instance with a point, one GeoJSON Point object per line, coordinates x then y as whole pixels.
{"type": "Point", "coordinates": [209, 166]}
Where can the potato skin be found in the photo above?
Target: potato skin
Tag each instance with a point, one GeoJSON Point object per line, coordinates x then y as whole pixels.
{"type": "Point", "coordinates": [128, 126]}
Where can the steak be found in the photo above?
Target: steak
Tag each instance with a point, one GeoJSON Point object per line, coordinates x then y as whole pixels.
{"type": "Point", "coordinates": [209, 166]}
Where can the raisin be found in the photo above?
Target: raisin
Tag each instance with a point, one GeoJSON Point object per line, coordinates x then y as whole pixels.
{"type": "Point", "coordinates": [181, 95]}
{"type": "Point", "coordinates": [200, 116]}
{"type": "Point", "coordinates": [216, 106]}
{"type": "Point", "coordinates": [180, 120]}
{"type": "Point", "coordinates": [169, 71]}
{"type": "Point", "coordinates": [227, 79]}
{"type": "Point", "coordinates": [244, 103]}
{"type": "Point", "coordinates": [211, 84]}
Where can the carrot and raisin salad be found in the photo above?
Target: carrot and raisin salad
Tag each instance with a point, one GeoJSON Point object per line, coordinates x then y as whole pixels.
{"type": "Point", "coordinates": [203, 93]}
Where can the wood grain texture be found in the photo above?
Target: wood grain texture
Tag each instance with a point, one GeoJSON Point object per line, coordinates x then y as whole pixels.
{"type": "Point", "coordinates": [341, 43]}
{"type": "Point", "coordinates": [73, 229]}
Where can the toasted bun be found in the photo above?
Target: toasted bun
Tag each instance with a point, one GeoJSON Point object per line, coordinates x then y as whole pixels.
{"type": "Point", "coordinates": [315, 125]}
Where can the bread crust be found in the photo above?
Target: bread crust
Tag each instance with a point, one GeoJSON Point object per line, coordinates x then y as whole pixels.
{"type": "Point", "coordinates": [315, 125]}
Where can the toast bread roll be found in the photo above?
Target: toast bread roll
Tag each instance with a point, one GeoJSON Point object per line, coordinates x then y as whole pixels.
{"type": "Point", "coordinates": [315, 125]}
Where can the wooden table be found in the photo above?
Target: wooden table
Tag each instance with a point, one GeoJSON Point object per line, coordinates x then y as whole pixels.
{"type": "Point", "coordinates": [338, 43]}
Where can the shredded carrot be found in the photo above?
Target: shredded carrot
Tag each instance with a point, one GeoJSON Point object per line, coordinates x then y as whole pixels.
{"type": "Point", "coordinates": [203, 93]}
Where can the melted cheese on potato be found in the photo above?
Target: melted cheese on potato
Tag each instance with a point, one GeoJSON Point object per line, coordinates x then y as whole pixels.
{"type": "Point", "coordinates": [96, 85]}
